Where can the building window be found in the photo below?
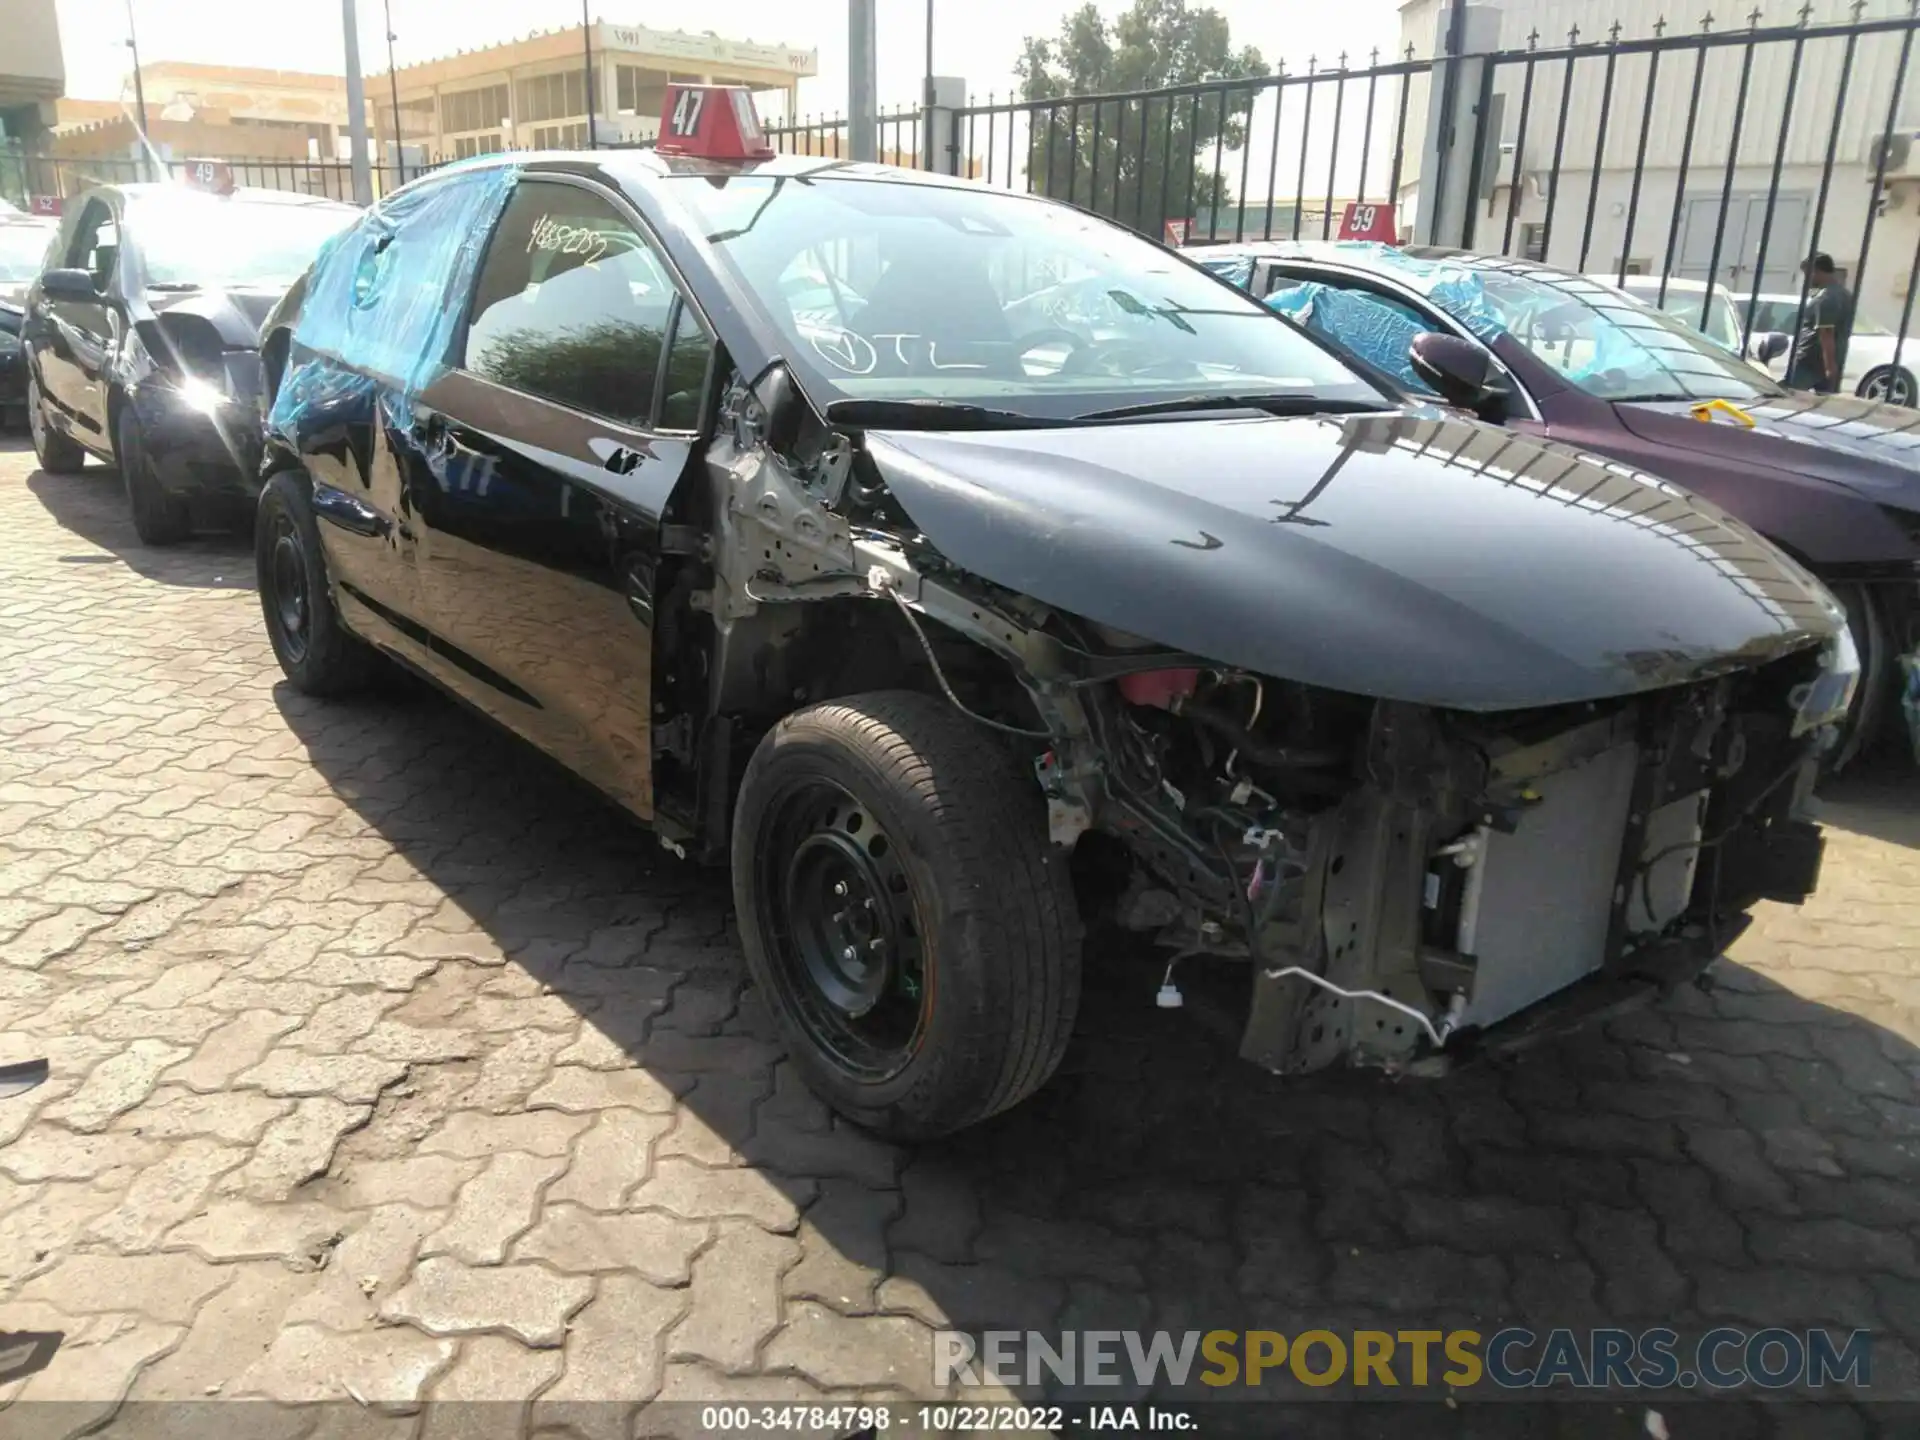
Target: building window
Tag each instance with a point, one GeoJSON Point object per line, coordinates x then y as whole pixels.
{"type": "Point", "coordinates": [552, 97]}
{"type": "Point", "coordinates": [484, 109]}
{"type": "Point", "coordinates": [465, 147]}
{"type": "Point", "coordinates": [561, 137]}
{"type": "Point", "coordinates": [1533, 243]}
{"type": "Point", "coordinates": [639, 91]}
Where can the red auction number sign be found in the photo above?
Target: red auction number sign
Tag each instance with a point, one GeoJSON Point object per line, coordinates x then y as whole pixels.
{"type": "Point", "coordinates": [43, 204]}
{"type": "Point", "coordinates": [716, 122]}
{"type": "Point", "coordinates": [1366, 221]}
{"type": "Point", "coordinates": [213, 176]}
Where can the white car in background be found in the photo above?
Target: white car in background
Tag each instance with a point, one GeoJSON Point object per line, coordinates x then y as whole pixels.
{"type": "Point", "coordinates": [1683, 299]}
{"type": "Point", "coordinates": [1872, 368]}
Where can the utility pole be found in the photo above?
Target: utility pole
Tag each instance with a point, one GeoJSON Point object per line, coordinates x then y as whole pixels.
{"type": "Point", "coordinates": [862, 117]}
{"type": "Point", "coordinates": [586, 37]}
{"type": "Point", "coordinates": [926, 96]}
{"type": "Point", "coordinates": [393, 84]}
{"type": "Point", "coordinates": [139, 90]}
{"type": "Point", "coordinates": [356, 107]}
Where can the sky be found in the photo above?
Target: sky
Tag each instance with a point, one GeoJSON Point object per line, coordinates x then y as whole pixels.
{"type": "Point", "coordinates": [979, 41]}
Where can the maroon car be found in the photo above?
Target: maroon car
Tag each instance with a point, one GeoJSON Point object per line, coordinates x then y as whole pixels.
{"type": "Point", "coordinates": [1834, 480]}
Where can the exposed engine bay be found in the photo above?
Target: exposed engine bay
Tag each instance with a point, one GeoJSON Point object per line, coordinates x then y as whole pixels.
{"type": "Point", "coordinates": [1404, 881]}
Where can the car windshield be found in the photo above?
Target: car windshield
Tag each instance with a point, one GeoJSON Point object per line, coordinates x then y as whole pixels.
{"type": "Point", "coordinates": [896, 291]}
{"type": "Point", "coordinates": [1606, 343]}
{"type": "Point", "coordinates": [22, 248]}
{"type": "Point", "coordinates": [190, 239]}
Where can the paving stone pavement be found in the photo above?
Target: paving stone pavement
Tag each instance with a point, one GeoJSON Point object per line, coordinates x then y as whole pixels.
{"type": "Point", "coordinates": [389, 1066]}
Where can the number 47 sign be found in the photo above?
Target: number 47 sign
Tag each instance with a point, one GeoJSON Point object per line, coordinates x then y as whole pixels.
{"type": "Point", "coordinates": [716, 122]}
{"type": "Point", "coordinates": [1364, 221]}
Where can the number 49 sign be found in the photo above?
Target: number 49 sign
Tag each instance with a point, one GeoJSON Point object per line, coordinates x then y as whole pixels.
{"type": "Point", "coordinates": [1365, 221]}
{"type": "Point", "coordinates": [715, 122]}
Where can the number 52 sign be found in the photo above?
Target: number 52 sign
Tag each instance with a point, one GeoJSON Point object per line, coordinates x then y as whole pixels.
{"type": "Point", "coordinates": [1364, 221]}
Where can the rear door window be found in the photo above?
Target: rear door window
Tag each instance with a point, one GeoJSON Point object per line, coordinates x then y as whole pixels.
{"type": "Point", "coordinates": [573, 305]}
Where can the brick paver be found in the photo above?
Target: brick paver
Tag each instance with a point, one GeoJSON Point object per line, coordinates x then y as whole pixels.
{"type": "Point", "coordinates": [388, 1064]}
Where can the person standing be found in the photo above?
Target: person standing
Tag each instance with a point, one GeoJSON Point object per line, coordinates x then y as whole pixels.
{"type": "Point", "coordinates": [1820, 349]}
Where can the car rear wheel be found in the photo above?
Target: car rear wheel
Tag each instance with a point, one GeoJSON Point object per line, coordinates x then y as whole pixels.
{"type": "Point", "coordinates": [57, 454]}
{"type": "Point", "coordinates": [158, 518]}
{"type": "Point", "coordinates": [316, 652]}
{"type": "Point", "coordinates": [904, 914]}
{"type": "Point", "coordinates": [1893, 384]}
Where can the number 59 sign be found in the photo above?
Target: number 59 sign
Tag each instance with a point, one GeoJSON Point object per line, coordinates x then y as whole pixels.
{"type": "Point", "coordinates": [1364, 221]}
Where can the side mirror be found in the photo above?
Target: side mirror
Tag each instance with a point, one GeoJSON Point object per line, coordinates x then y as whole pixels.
{"type": "Point", "coordinates": [785, 410]}
{"type": "Point", "coordinates": [1461, 372]}
{"type": "Point", "coordinates": [68, 285]}
{"type": "Point", "coordinates": [1771, 347]}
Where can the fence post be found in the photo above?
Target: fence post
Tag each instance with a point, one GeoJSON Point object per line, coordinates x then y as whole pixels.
{"type": "Point", "coordinates": [939, 124]}
{"type": "Point", "coordinates": [863, 115]}
{"type": "Point", "coordinates": [1465, 36]}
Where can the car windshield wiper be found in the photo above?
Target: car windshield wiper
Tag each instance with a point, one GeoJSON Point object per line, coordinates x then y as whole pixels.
{"type": "Point", "coordinates": [173, 285]}
{"type": "Point", "coordinates": [1282, 403]}
{"type": "Point", "coordinates": [934, 415]}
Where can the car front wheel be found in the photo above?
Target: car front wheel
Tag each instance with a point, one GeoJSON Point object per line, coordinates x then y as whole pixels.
{"type": "Point", "coordinates": [904, 913]}
{"type": "Point", "coordinates": [158, 518]}
{"type": "Point", "coordinates": [57, 454]}
{"type": "Point", "coordinates": [316, 652]}
{"type": "Point", "coordinates": [1893, 384]}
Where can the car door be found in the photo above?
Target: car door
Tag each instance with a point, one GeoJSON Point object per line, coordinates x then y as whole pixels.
{"type": "Point", "coordinates": [557, 441]}
{"type": "Point", "coordinates": [79, 336]}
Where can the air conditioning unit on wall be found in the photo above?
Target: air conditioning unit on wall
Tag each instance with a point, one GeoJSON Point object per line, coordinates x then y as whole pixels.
{"type": "Point", "coordinates": [1901, 152]}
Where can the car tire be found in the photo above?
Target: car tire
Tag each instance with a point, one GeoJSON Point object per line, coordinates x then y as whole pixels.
{"type": "Point", "coordinates": [315, 650]}
{"type": "Point", "coordinates": [57, 454]}
{"type": "Point", "coordinates": [1893, 384]}
{"type": "Point", "coordinates": [956, 930]}
{"type": "Point", "coordinates": [158, 518]}
{"type": "Point", "coordinates": [1861, 727]}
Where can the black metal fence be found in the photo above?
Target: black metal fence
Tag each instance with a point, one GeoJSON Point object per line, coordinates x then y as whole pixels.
{"type": "Point", "coordinates": [1709, 160]}
{"type": "Point", "coordinates": [1224, 161]}
{"type": "Point", "coordinates": [897, 137]}
{"type": "Point", "coordinates": [26, 176]}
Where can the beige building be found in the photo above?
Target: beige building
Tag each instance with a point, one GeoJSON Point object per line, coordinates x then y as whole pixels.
{"type": "Point", "coordinates": [32, 74]}
{"type": "Point", "coordinates": [531, 93]}
{"type": "Point", "coordinates": [218, 111]}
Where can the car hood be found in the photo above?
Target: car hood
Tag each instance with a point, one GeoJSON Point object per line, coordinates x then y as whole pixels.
{"type": "Point", "coordinates": [1866, 446]}
{"type": "Point", "coordinates": [235, 314]}
{"type": "Point", "coordinates": [1408, 555]}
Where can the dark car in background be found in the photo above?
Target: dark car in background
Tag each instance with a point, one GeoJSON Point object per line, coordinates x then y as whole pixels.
{"type": "Point", "coordinates": [789, 503]}
{"type": "Point", "coordinates": [1834, 480]}
{"type": "Point", "coordinates": [23, 246]}
{"type": "Point", "coordinates": [142, 340]}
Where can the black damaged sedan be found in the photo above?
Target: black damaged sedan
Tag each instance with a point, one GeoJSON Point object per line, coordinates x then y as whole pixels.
{"type": "Point", "coordinates": [964, 570]}
{"type": "Point", "coordinates": [141, 340]}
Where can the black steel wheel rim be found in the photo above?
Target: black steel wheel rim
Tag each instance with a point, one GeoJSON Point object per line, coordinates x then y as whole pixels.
{"type": "Point", "coordinates": [287, 586]}
{"type": "Point", "coordinates": [844, 934]}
